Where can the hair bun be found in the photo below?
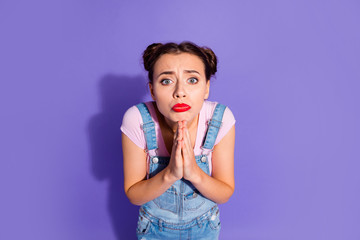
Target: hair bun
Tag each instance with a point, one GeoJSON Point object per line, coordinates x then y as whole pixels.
{"type": "Point", "coordinates": [211, 59]}
{"type": "Point", "coordinates": [149, 54]}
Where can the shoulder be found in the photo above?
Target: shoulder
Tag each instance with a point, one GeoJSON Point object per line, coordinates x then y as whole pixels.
{"type": "Point", "coordinates": [134, 114]}
{"type": "Point", "coordinates": [131, 126]}
{"type": "Point", "coordinates": [131, 115]}
{"type": "Point", "coordinates": [228, 119]}
{"type": "Point", "coordinates": [209, 107]}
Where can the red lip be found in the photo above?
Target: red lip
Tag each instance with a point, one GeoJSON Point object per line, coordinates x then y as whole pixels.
{"type": "Point", "coordinates": [181, 107]}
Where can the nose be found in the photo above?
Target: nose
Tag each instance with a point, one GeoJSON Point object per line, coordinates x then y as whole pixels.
{"type": "Point", "coordinates": [179, 91]}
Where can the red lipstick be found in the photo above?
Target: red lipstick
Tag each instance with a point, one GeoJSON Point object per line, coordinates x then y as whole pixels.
{"type": "Point", "coordinates": [181, 107]}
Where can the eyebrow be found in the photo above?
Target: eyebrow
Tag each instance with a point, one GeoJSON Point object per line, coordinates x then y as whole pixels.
{"type": "Point", "coordinates": [192, 71]}
{"type": "Point", "coordinates": [172, 72]}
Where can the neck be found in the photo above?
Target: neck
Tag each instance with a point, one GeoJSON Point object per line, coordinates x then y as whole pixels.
{"type": "Point", "coordinates": [190, 124]}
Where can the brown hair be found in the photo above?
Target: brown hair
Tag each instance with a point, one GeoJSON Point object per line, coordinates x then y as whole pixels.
{"type": "Point", "coordinates": [154, 51]}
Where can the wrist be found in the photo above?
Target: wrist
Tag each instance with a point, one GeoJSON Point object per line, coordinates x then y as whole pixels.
{"type": "Point", "coordinates": [169, 178]}
{"type": "Point", "coordinates": [196, 177]}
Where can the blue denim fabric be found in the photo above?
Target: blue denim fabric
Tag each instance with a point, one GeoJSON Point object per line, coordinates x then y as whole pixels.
{"type": "Point", "coordinates": [204, 227]}
{"type": "Point", "coordinates": [148, 127]}
{"type": "Point", "coordinates": [214, 126]}
{"type": "Point", "coordinates": [181, 212]}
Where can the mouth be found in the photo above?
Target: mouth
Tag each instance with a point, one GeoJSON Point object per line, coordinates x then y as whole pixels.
{"type": "Point", "coordinates": [181, 107]}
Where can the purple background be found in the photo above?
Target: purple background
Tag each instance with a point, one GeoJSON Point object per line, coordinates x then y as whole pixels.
{"type": "Point", "coordinates": [289, 70]}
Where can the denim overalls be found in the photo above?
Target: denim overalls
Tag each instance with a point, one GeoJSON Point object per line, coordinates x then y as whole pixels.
{"type": "Point", "coordinates": [181, 212]}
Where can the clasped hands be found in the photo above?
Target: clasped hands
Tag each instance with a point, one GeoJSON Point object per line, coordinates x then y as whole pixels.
{"type": "Point", "coordinates": [182, 161]}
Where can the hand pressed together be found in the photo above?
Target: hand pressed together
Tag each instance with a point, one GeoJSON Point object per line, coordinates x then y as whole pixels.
{"type": "Point", "coordinates": [182, 161]}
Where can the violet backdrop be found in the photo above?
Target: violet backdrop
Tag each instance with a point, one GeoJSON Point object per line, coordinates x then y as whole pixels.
{"type": "Point", "coordinates": [289, 71]}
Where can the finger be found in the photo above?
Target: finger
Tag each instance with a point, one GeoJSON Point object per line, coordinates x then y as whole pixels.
{"type": "Point", "coordinates": [178, 153]}
{"type": "Point", "coordinates": [177, 132]}
{"type": "Point", "coordinates": [185, 141]}
{"type": "Point", "coordinates": [181, 133]}
{"type": "Point", "coordinates": [184, 150]}
{"type": "Point", "coordinates": [187, 137]}
{"type": "Point", "coordinates": [178, 148]}
{"type": "Point", "coordinates": [187, 156]}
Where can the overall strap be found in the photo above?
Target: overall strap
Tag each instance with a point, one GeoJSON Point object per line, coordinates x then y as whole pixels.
{"type": "Point", "coordinates": [148, 127]}
{"type": "Point", "coordinates": [214, 126]}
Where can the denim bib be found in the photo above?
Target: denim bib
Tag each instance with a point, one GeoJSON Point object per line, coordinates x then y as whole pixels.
{"type": "Point", "coordinates": [182, 202]}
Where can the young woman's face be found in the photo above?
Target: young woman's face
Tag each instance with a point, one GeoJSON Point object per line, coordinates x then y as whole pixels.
{"type": "Point", "coordinates": [179, 86]}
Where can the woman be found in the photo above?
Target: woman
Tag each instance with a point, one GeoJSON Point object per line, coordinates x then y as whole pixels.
{"type": "Point", "coordinates": [179, 149]}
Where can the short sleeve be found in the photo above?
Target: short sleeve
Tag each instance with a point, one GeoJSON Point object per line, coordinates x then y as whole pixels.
{"type": "Point", "coordinates": [227, 122]}
{"type": "Point", "coordinates": [131, 127]}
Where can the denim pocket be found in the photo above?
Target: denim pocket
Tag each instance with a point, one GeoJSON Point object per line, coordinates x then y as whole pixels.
{"type": "Point", "coordinates": [193, 201]}
{"type": "Point", "coordinates": [214, 220]}
{"type": "Point", "coordinates": [143, 225]}
{"type": "Point", "coordinates": [167, 200]}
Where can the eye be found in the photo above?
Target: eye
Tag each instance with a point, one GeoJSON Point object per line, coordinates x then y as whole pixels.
{"type": "Point", "coordinates": [193, 80]}
{"type": "Point", "coordinates": [165, 81]}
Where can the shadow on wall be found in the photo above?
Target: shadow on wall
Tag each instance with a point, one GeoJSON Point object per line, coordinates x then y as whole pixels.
{"type": "Point", "coordinates": [117, 94]}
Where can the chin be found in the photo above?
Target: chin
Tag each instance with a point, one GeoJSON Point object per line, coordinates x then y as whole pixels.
{"type": "Point", "coordinates": [176, 117]}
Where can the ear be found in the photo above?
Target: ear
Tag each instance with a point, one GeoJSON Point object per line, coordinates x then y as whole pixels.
{"type": "Point", "coordinates": [151, 88]}
{"type": "Point", "coordinates": [207, 90]}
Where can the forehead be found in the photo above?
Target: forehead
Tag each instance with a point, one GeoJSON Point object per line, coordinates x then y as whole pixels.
{"type": "Point", "coordinates": [184, 61]}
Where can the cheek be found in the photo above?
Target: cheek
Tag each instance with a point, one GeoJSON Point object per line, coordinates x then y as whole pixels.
{"type": "Point", "coordinates": [158, 93]}
{"type": "Point", "coordinates": [162, 102]}
{"type": "Point", "coordinates": [199, 93]}
{"type": "Point", "coordinates": [162, 97]}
